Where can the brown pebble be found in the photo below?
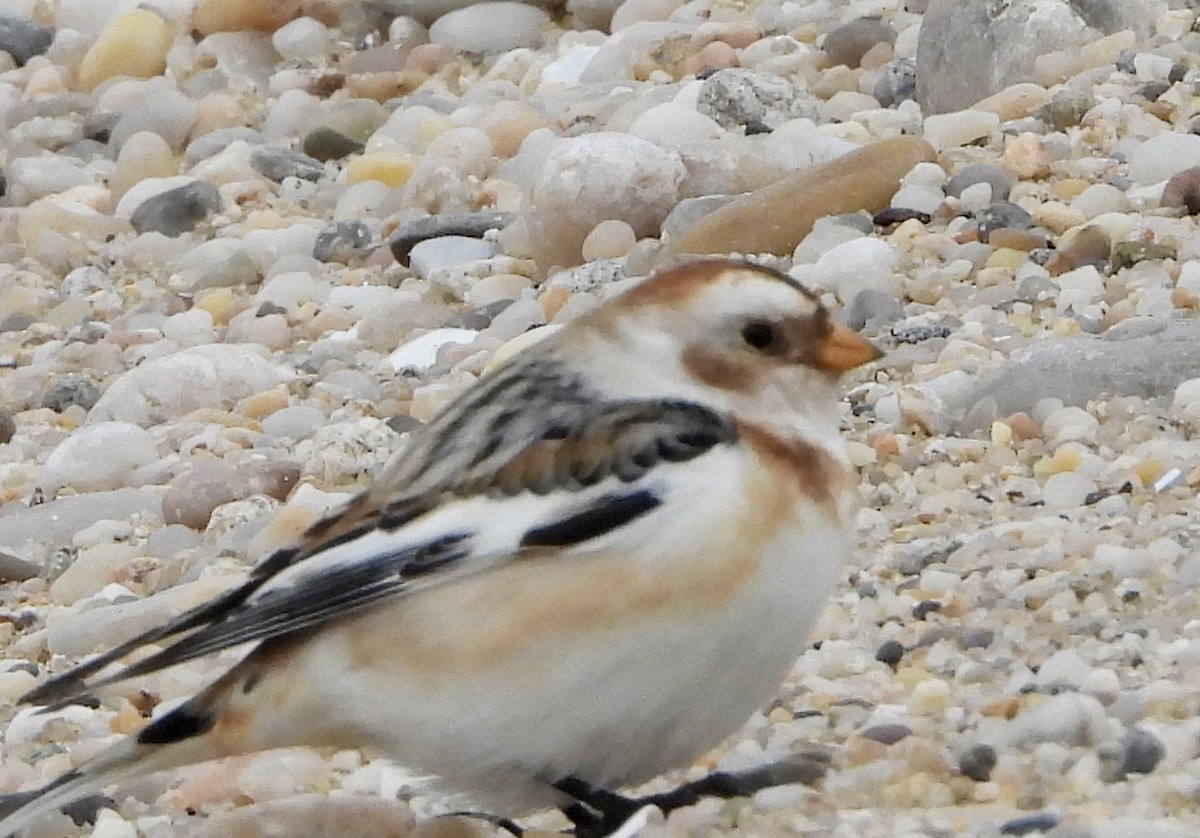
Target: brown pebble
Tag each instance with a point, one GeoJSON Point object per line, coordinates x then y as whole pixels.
{"type": "Point", "coordinates": [1089, 245]}
{"type": "Point", "coordinates": [1014, 239]}
{"type": "Point", "coordinates": [775, 218]}
{"type": "Point", "coordinates": [212, 16]}
{"type": "Point", "coordinates": [1183, 190]}
{"type": "Point", "coordinates": [1023, 426]}
{"type": "Point", "coordinates": [850, 42]}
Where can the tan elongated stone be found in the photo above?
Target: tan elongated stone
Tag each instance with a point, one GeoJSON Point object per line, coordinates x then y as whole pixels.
{"type": "Point", "coordinates": [775, 218]}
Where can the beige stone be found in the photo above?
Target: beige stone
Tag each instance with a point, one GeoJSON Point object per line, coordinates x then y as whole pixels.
{"type": "Point", "coordinates": [775, 218]}
{"type": "Point", "coordinates": [134, 43]}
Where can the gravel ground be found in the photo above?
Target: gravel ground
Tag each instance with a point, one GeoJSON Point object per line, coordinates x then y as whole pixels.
{"type": "Point", "coordinates": [246, 247]}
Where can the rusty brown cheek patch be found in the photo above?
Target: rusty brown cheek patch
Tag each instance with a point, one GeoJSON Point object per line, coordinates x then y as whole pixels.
{"type": "Point", "coordinates": [817, 474]}
{"type": "Point", "coordinates": [719, 371]}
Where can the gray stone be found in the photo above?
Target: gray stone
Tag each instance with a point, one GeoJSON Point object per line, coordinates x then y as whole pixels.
{"type": "Point", "coordinates": [8, 426]}
{"type": "Point", "coordinates": [970, 49]}
{"type": "Point", "coordinates": [328, 144]}
{"type": "Point", "coordinates": [1079, 369]}
{"type": "Point", "coordinates": [470, 224]}
{"type": "Point", "coordinates": [897, 82]}
{"type": "Point", "coordinates": [1001, 215]}
{"type": "Point", "coordinates": [22, 39]}
{"type": "Point", "coordinates": [278, 163]}
{"type": "Point", "coordinates": [872, 308]}
{"type": "Point", "coordinates": [999, 179]}
{"type": "Point", "coordinates": [736, 97]}
{"type": "Point", "coordinates": [26, 529]}
{"type": "Point", "coordinates": [342, 242]}
{"type": "Point", "coordinates": [690, 210]}
{"type": "Point", "coordinates": [214, 142]}
{"type": "Point", "coordinates": [70, 390]}
{"type": "Point", "coordinates": [178, 210]}
{"type": "Point", "coordinates": [977, 762]}
{"type": "Point", "coordinates": [15, 569]}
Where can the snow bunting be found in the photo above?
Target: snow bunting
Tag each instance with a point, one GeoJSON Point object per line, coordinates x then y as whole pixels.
{"type": "Point", "coordinates": [591, 568]}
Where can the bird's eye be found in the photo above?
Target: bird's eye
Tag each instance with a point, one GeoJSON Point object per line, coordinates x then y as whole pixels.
{"type": "Point", "coordinates": [758, 334]}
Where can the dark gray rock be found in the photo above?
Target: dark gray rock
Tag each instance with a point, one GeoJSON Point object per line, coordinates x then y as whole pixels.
{"type": "Point", "coordinates": [70, 390]}
{"type": "Point", "coordinates": [8, 426]}
{"type": "Point", "coordinates": [178, 210]}
{"type": "Point", "coordinates": [22, 39]}
{"type": "Point", "coordinates": [970, 49]}
{"type": "Point", "coordinates": [1038, 823]}
{"type": "Point", "coordinates": [343, 241]}
{"type": "Point", "coordinates": [472, 224]}
{"type": "Point", "coordinates": [977, 762]}
{"type": "Point", "coordinates": [327, 144]}
{"type": "Point", "coordinates": [277, 163]}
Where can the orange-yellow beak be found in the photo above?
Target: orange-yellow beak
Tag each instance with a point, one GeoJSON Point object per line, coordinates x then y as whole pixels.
{"type": "Point", "coordinates": [843, 349]}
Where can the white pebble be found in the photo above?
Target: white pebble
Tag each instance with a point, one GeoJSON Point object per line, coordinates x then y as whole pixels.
{"type": "Point", "coordinates": [1160, 157]}
{"type": "Point", "coordinates": [490, 27]}
{"type": "Point", "coordinates": [420, 353]}
{"type": "Point", "coordinates": [1066, 490]}
{"type": "Point", "coordinates": [955, 129]}
{"type": "Point", "coordinates": [302, 38]}
{"type": "Point", "coordinates": [1069, 423]}
{"type": "Point", "coordinates": [98, 457]}
{"type": "Point", "coordinates": [447, 251]}
{"type": "Point", "coordinates": [919, 197]}
{"type": "Point", "coordinates": [857, 265]}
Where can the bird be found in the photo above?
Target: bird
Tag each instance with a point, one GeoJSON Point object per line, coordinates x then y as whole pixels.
{"type": "Point", "coordinates": [589, 569]}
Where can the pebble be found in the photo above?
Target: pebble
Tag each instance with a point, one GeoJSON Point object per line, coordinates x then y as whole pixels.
{"type": "Point", "coordinates": [588, 179]}
{"type": "Point", "coordinates": [134, 43]}
{"type": "Point", "coordinates": [1160, 157]}
{"type": "Point", "coordinates": [864, 179]}
{"type": "Point", "coordinates": [944, 131]}
{"type": "Point", "coordinates": [472, 225]}
{"type": "Point", "coordinates": [23, 39]}
{"type": "Point", "coordinates": [420, 353]}
{"type": "Point", "coordinates": [343, 241]}
{"type": "Point", "coordinates": [280, 163]}
{"type": "Point", "coordinates": [848, 43]}
{"type": "Point", "coordinates": [302, 39]}
{"type": "Point", "coordinates": [737, 96]}
{"type": "Point", "coordinates": [977, 762]}
{"type": "Point", "coordinates": [176, 211]}
{"type": "Point", "coordinates": [442, 252]}
{"type": "Point", "coordinates": [490, 27]}
{"type": "Point", "coordinates": [70, 390]}
{"type": "Point", "coordinates": [201, 376]}
{"type": "Point", "coordinates": [97, 458]}
{"type": "Point", "coordinates": [8, 426]}
{"type": "Point", "coordinates": [1040, 822]}
{"type": "Point", "coordinates": [212, 16]}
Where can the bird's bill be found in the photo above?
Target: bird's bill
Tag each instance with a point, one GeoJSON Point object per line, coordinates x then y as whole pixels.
{"type": "Point", "coordinates": [843, 349]}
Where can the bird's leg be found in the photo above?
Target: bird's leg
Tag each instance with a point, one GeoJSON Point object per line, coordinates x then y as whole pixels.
{"type": "Point", "coordinates": [511, 827]}
{"type": "Point", "coordinates": [598, 812]}
{"type": "Point", "coordinates": [806, 767]}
